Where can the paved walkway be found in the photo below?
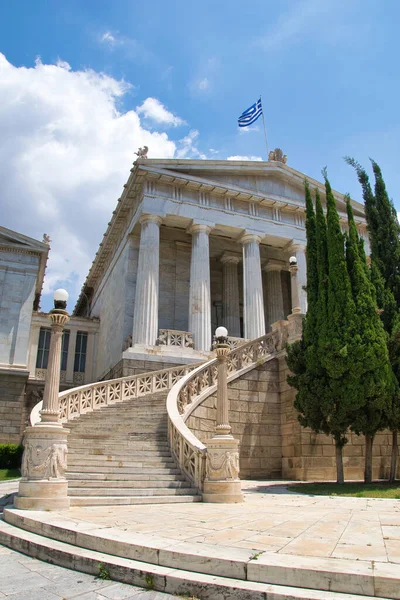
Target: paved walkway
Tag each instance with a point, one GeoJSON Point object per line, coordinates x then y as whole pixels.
{"type": "Point", "coordinates": [270, 519]}
{"type": "Point", "coordinates": [25, 578]}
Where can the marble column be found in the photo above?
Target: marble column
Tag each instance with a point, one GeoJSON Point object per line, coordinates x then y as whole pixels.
{"type": "Point", "coordinates": [298, 249]}
{"type": "Point", "coordinates": [254, 320]}
{"type": "Point", "coordinates": [200, 294]}
{"type": "Point", "coordinates": [275, 311]}
{"type": "Point", "coordinates": [230, 294]}
{"type": "Point", "coordinates": [50, 412]}
{"type": "Point", "coordinates": [145, 317]}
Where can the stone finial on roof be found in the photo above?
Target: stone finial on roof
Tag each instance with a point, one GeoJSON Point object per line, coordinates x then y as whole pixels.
{"type": "Point", "coordinates": [46, 239]}
{"type": "Point", "coordinates": [277, 155]}
{"type": "Point", "coordinates": [142, 152]}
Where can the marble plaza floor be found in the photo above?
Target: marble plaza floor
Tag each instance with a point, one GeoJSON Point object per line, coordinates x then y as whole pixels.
{"type": "Point", "coordinates": [333, 543]}
{"type": "Point", "coordinates": [272, 520]}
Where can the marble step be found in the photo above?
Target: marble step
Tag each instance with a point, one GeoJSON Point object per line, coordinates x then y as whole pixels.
{"type": "Point", "coordinates": [212, 573]}
{"type": "Point", "coordinates": [121, 484]}
{"type": "Point", "coordinates": [117, 453]}
{"type": "Point", "coordinates": [131, 491]}
{"type": "Point", "coordinates": [91, 462]}
{"type": "Point", "coordinates": [106, 470]}
{"type": "Point", "coordinates": [129, 500]}
{"type": "Point", "coordinates": [140, 476]}
{"type": "Point", "coordinates": [107, 442]}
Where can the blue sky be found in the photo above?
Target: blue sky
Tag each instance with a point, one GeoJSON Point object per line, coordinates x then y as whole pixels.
{"type": "Point", "coordinates": [83, 84]}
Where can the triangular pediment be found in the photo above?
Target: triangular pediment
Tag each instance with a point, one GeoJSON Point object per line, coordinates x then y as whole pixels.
{"type": "Point", "coordinates": [13, 239]}
{"type": "Point", "coordinates": [271, 178]}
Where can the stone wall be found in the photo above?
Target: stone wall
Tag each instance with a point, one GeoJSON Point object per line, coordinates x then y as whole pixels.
{"type": "Point", "coordinates": [18, 273]}
{"type": "Point", "coordinates": [255, 419]}
{"type": "Point", "coordinates": [12, 400]}
{"type": "Point", "coordinates": [310, 456]}
{"type": "Point", "coordinates": [127, 367]}
{"type": "Point", "coordinates": [113, 305]}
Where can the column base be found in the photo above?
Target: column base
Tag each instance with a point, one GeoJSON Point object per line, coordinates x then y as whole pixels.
{"type": "Point", "coordinates": [42, 495]}
{"type": "Point", "coordinates": [222, 492]}
{"type": "Point", "coordinates": [295, 326]}
{"type": "Point", "coordinates": [222, 483]}
{"type": "Point", "coordinates": [43, 485]}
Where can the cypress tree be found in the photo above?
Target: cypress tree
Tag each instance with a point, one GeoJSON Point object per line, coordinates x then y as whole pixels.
{"type": "Point", "coordinates": [335, 348]}
{"type": "Point", "coordinates": [321, 404]}
{"type": "Point", "coordinates": [373, 385]}
{"type": "Point", "coordinates": [383, 229]}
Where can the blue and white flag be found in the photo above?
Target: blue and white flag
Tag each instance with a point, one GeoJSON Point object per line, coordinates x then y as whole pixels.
{"type": "Point", "coordinates": [249, 116]}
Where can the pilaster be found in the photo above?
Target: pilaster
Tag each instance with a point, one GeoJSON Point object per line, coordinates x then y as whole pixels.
{"type": "Point", "coordinates": [230, 294]}
{"type": "Point", "coordinates": [274, 301]}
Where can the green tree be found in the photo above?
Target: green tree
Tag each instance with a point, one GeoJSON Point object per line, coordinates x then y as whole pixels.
{"type": "Point", "coordinates": [374, 383]}
{"type": "Point", "coordinates": [321, 404]}
{"type": "Point", "coordinates": [383, 230]}
{"type": "Point", "coordinates": [335, 345]}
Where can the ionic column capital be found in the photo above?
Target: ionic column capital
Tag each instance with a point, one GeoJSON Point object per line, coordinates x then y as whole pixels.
{"type": "Point", "coordinates": [149, 218]}
{"type": "Point", "coordinates": [247, 238]}
{"type": "Point", "coordinates": [297, 246]}
{"type": "Point", "coordinates": [273, 265]}
{"type": "Point", "coordinates": [199, 228]}
{"type": "Point", "coordinates": [230, 258]}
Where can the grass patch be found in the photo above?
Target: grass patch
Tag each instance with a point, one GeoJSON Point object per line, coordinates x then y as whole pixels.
{"type": "Point", "coordinates": [9, 474]}
{"type": "Point", "coordinates": [358, 490]}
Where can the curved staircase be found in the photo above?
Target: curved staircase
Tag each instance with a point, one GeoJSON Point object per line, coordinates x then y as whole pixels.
{"type": "Point", "coordinates": [120, 455]}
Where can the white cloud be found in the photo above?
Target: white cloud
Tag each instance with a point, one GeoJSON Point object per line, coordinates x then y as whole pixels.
{"type": "Point", "coordinates": [204, 84]}
{"type": "Point", "coordinates": [108, 38]}
{"type": "Point", "coordinates": [65, 153]}
{"type": "Point", "coordinates": [186, 147]}
{"type": "Point", "coordinates": [239, 157]}
{"type": "Point", "coordinates": [154, 110]}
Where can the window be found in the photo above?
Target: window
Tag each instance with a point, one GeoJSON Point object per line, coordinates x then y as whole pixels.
{"type": "Point", "coordinates": [43, 348]}
{"type": "Point", "coordinates": [42, 358]}
{"type": "Point", "coordinates": [80, 352]}
{"type": "Point", "coordinates": [64, 350]}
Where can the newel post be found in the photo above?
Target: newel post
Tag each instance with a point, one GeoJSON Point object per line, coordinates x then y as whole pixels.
{"type": "Point", "coordinates": [43, 485]}
{"type": "Point", "coordinates": [222, 483]}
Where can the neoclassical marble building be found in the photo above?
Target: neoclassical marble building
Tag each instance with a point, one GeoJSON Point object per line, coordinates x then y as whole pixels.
{"type": "Point", "coordinates": [190, 246]}
{"type": "Point", "coordinates": [193, 244]}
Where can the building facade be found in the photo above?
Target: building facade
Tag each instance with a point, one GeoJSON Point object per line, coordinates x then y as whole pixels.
{"type": "Point", "coordinates": [193, 244]}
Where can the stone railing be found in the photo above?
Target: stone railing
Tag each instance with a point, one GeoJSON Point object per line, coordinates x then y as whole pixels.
{"type": "Point", "coordinates": [173, 337]}
{"type": "Point", "coordinates": [87, 398]}
{"type": "Point", "coordinates": [195, 387]}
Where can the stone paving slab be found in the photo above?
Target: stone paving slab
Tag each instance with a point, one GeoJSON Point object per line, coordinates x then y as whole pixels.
{"type": "Point", "coordinates": [269, 520]}
{"type": "Point", "coordinates": [23, 578]}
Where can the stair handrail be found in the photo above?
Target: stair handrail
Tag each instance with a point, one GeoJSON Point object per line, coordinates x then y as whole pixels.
{"type": "Point", "coordinates": [93, 396]}
{"type": "Point", "coordinates": [195, 387]}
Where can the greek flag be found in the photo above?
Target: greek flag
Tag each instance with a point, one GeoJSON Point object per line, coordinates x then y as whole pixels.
{"type": "Point", "coordinates": [249, 116]}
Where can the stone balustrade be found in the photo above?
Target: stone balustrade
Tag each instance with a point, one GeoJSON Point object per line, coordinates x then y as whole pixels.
{"type": "Point", "coordinates": [173, 337]}
{"type": "Point", "coordinates": [198, 385]}
{"type": "Point", "coordinates": [94, 396]}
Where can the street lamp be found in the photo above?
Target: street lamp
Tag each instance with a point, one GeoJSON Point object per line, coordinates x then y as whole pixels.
{"type": "Point", "coordinates": [222, 483]}
{"type": "Point", "coordinates": [293, 268]}
{"type": "Point", "coordinates": [43, 485]}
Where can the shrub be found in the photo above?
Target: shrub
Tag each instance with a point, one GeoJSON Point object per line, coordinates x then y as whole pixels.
{"type": "Point", "coordinates": [10, 456]}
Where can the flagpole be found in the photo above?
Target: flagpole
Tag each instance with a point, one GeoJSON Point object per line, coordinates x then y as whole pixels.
{"type": "Point", "coordinates": [265, 130]}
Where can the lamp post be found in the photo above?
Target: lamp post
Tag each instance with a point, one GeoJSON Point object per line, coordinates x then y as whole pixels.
{"type": "Point", "coordinates": [43, 485]}
{"type": "Point", "coordinates": [222, 483]}
{"type": "Point", "coordinates": [296, 317]}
